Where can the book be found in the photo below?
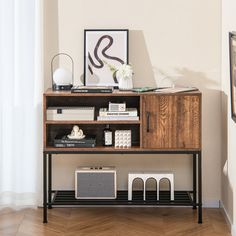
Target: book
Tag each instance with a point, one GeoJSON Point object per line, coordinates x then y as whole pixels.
{"type": "Point", "coordinates": [128, 112]}
{"type": "Point", "coordinates": [176, 90]}
{"type": "Point", "coordinates": [64, 141]}
{"type": "Point", "coordinates": [118, 118]}
{"type": "Point", "coordinates": [143, 89]}
{"type": "Point", "coordinates": [92, 89]}
{"type": "Point", "coordinates": [73, 145]}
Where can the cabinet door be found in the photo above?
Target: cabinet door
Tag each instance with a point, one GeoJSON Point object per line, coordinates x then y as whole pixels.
{"type": "Point", "coordinates": [171, 121]}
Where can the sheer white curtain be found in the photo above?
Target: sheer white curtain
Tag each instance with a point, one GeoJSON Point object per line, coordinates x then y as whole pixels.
{"type": "Point", "coordinates": [20, 101]}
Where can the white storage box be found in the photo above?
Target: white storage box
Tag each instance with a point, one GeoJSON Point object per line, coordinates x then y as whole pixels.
{"type": "Point", "coordinates": [123, 138]}
{"type": "Point", "coordinates": [70, 113]}
{"type": "Point", "coordinates": [117, 106]}
{"type": "Point", "coordinates": [95, 183]}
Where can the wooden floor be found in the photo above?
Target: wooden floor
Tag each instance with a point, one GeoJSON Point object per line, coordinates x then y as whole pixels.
{"type": "Point", "coordinates": [113, 221]}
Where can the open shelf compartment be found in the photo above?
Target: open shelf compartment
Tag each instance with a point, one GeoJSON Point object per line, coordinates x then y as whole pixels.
{"type": "Point", "coordinates": [95, 129]}
{"type": "Point", "coordinates": [91, 101]}
{"type": "Point", "coordinates": [182, 198]}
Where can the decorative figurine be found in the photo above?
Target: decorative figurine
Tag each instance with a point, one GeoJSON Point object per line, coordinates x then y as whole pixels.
{"type": "Point", "coordinates": [76, 133]}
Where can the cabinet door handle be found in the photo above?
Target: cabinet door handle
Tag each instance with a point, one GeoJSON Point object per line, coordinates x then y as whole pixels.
{"type": "Point", "coordinates": [148, 121]}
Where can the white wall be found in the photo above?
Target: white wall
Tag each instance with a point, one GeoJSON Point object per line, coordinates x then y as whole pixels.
{"type": "Point", "coordinates": [178, 38]}
{"type": "Point", "coordinates": [51, 39]}
{"type": "Point", "coordinates": [228, 182]}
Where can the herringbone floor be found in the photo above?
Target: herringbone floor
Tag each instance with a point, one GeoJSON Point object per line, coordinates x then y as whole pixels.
{"type": "Point", "coordinates": [113, 221]}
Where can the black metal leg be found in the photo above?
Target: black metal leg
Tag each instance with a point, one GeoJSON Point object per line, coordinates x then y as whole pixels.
{"type": "Point", "coordinates": [194, 181]}
{"type": "Point", "coordinates": [49, 181]}
{"type": "Point", "coordinates": [199, 187]}
{"type": "Point", "coordinates": [45, 220]}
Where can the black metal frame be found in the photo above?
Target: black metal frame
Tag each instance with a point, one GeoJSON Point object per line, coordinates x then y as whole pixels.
{"type": "Point", "coordinates": [195, 201]}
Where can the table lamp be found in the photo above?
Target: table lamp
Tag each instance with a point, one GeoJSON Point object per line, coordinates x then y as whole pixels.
{"type": "Point", "coordinates": [62, 79]}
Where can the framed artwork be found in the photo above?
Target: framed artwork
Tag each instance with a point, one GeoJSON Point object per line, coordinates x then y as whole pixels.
{"type": "Point", "coordinates": [232, 54]}
{"type": "Point", "coordinates": [104, 52]}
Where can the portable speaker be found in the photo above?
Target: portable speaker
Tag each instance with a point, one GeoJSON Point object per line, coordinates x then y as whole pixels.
{"type": "Point", "coordinates": [95, 183]}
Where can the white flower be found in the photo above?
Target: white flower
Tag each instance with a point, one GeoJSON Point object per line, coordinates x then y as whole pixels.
{"type": "Point", "coordinates": [125, 71]}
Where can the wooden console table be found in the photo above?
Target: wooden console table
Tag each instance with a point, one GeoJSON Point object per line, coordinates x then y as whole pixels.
{"type": "Point", "coordinates": [168, 124]}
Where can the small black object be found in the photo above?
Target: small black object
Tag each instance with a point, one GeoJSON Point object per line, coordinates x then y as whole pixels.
{"type": "Point", "coordinates": [59, 111]}
{"type": "Point", "coordinates": [56, 87]}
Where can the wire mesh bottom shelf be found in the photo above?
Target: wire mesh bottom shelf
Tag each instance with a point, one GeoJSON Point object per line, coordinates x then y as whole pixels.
{"type": "Point", "coordinates": [182, 198]}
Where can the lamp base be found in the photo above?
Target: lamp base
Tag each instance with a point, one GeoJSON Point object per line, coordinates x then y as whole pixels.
{"type": "Point", "coordinates": [56, 87]}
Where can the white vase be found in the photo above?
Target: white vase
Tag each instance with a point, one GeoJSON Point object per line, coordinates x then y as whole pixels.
{"type": "Point", "coordinates": [125, 83]}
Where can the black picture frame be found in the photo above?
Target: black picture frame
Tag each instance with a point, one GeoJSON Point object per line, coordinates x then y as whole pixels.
{"type": "Point", "coordinates": [232, 60]}
{"type": "Point", "coordinates": [104, 48]}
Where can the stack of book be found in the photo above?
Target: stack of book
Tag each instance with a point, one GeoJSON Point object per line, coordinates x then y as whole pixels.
{"type": "Point", "coordinates": [63, 141]}
{"type": "Point", "coordinates": [128, 114]}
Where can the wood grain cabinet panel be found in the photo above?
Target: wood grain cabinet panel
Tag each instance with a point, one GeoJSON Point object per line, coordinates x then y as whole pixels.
{"type": "Point", "coordinates": [171, 121]}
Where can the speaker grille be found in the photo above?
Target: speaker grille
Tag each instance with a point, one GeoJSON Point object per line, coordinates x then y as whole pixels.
{"type": "Point", "coordinates": [96, 185]}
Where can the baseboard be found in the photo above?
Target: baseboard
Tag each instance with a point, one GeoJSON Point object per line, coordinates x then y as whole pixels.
{"type": "Point", "coordinates": [228, 220]}
{"type": "Point", "coordinates": [211, 204]}
{"type": "Point", "coordinates": [233, 230]}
